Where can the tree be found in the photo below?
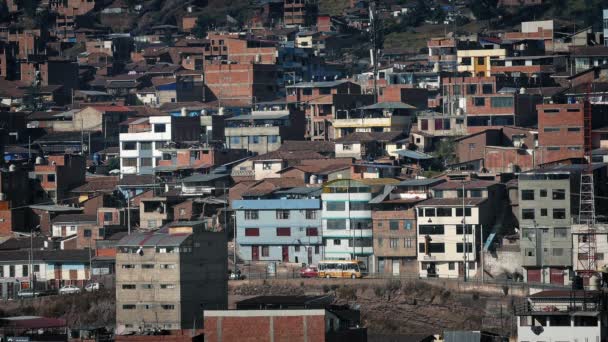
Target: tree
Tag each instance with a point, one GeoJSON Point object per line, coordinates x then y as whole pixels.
{"type": "Point", "coordinates": [29, 7]}
{"type": "Point", "coordinates": [484, 9]}
{"type": "Point", "coordinates": [203, 23]}
{"type": "Point", "coordinates": [32, 100]}
{"type": "Point", "coordinates": [446, 152]}
{"type": "Point", "coordinates": [3, 11]}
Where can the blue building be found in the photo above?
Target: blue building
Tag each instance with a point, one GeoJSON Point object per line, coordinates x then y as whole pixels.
{"type": "Point", "coordinates": [283, 226]}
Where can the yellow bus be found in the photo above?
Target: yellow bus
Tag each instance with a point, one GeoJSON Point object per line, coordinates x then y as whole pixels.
{"type": "Point", "coordinates": [341, 269]}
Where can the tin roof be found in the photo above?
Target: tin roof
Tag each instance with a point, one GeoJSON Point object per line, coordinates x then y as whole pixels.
{"type": "Point", "coordinates": [153, 239]}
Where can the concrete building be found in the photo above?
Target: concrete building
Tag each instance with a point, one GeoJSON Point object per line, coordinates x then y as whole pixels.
{"type": "Point", "coordinates": [81, 230]}
{"type": "Point", "coordinates": [562, 315]}
{"type": "Point", "coordinates": [56, 175]}
{"type": "Point", "coordinates": [301, 13]}
{"type": "Point", "coordinates": [450, 227]}
{"type": "Point", "coordinates": [140, 147]}
{"type": "Point", "coordinates": [442, 51]}
{"type": "Point", "coordinates": [545, 214]}
{"type": "Point", "coordinates": [263, 131]}
{"type": "Point", "coordinates": [165, 279]}
{"type": "Point", "coordinates": [284, 226]}
{"type": "Point", "coordinates": [478, 62]}
{"type": "Point", "coordinates": [379, 117]}
{"type": "Point", "coordinates": [394, 226]}
{"type": "Point", "coordinates": [347, 218]}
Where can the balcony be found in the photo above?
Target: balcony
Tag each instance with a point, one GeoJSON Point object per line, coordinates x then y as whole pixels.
{"type": "Point", "coordinates": [197, 190]}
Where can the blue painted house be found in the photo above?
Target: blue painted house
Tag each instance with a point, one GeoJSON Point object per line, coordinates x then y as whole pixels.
{"type": "Point", "coordinates": [283, 226]}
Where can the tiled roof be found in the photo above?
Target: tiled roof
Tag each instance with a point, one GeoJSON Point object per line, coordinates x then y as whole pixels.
{"type": "Point", "coordinates": [135, 180]}
{"type": "Point", "coordinates": [94, 184]}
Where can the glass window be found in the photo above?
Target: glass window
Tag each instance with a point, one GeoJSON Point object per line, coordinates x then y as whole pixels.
{"type": "Point", "coordinates": [265, 251]}
{"type": "Point", "coordinates": [459, 246]}
{"type": "Point", "coordinates": [252, 214]}
{"type": "Point", "coordinates": [408, 224]}
{"type": "Point", "coordinates": [479, 101]}
{"type": "Point", "coordinates": [543, 193]}
{"type": "Point", "coordinates": [574, 129]}
{"type": "Point", "coordinates": [254, 139]}
{"type": "Point", "coordinates": [394, 224]}
{"type": "Point", "coordinates": [420, 212]}
{"type": "Point", "coordinates": [527, 214]}
{"type": "Point", "coordinates": [501, 102]}
{"type": "Point", "coordinates": [471, 89]}
{"type": "Point", "coordinates": [444, 212]}
{"type": "Point", "coordinates": [129, 162]}
{"type": "Point", "coordinates": [337, 242]}
{"type": "Point", "coordinates": [235, 140]}
{"type": "Point", "coordinates": [311, 214]}
{"type": "Point", "coordinates": [393, 243]}
{"type": "Point", "coordinates": [146, 162]}
{"type": "Point", "coordinates": [431, 229]}
{"type": "Point", "coordinates": [543, 212]}
{"type": "Point", "coordinates": [527, 195]}
{"type": "Point", "coordinates": [467, 212]}
{"type": "Point", "coordinates": [128, 306]}
{"type": "Point", "coordinates": [559, 214]}
{"type": "Point", "coordinates": [147, 266]}
{"type": "Point", "coordinates": [558, 194]}
{"type": "Point", "coordinates": [481, 60]}
{"type": "Point", "coordinates": [283, 231]}
{"type": "Point", "coordinates": [129, 145]}
{"type": "Point", "coordinates": [160, 128]}
{"type": "Point", "coordinates": [282, 215]}
{"type": "Point", "coordinates": [487, 89]}
{"type": "Point", "coordinates": [50, 178]}
{"type": "Point", "coordinates": [475, 193]}
{"type": "Point", "coordinates": [273, 139]}
{"type": "Point", "coordinates": [429, 212]}
{"type": "Point", "coordinates": [433, 248]}
{"type": "Point", "coordinates": [460, 228]}
{"type": "Point", "coordinates": [87, 233]}
{"type": "Point", "coordinates": [128, 286]}
{"type": "Point", "coordinates": [335, 206]}
{"type": "Point", "coordinates": [359, 206]}
{"type": "Point", "coordinates": [560, 233]}
{"type": "Point", "coordinates": [336, 224]}
{"type": "Point", "coordinates": [312, 231]}
{"type": "Point", "coordinates": [145, 146]}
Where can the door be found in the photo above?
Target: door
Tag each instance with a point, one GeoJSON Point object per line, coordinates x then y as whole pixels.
{"type": "Point", "coordinates": [255, 253]}
{"type": "Point", "coordinates": [556, 276]}
{"type": "Point", "coordinates": [309, 255]}
{"type": "Point", "coordinates": [534, 275]}
{"type": "Point", "coordinates": [285, 253]}
{"type": "Point", "coordinates": [396, 267]}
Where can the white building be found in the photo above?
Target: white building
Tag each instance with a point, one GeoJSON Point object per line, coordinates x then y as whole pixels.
{"type": "Point", "coordinates": [605, 17]}
{"type": "Point", "coordinates": [562, 316]}
{"type": "Point", "coordinates": [347, 218]}
{"type": "Point", "coordinates": [140, 148]}
{"type": "Point", "coordinates": [450, 227]}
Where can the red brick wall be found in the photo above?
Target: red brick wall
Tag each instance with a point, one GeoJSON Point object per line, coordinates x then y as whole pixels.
{"type": "Point", "coordinates": [570, 143]}
{"type": "Point", "coordinates": [249, 329]}
{"type": "Point", "coordinates": [503, 160]}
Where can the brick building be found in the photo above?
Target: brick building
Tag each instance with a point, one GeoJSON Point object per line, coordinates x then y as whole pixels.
{"type": "Point", "coordinates": [57, 175]}
{"type": "Point", "coordinates": [245, 82]}
{"type": "Point", "coordinates": [15, 192]}
{"type": "Point", "coordinates": [561, 129]}
{"type": "Point", "coordinates": [299, 12]}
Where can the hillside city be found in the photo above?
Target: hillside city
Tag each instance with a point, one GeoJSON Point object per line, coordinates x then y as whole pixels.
{"type": "Point", "coordinates": [304, 170]}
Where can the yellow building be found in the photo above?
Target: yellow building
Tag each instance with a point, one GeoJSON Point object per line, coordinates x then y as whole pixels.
{"type": "Point", "coordinates": [478, 62]}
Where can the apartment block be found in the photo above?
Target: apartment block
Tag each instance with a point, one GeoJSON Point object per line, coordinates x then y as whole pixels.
{"type": "Point", "coordinates": [299, 12]}
{"type": "Point", "coordinates": [450, 227]}
{"type": "Point", "coordinates": [284, 226]}
{"type": "Point", "coordinates": [561, 131]}
{"type": "Point", "coordinates": [141, 147]}
{"type": "Point", "coordinates": [248, 83]}
{"type": "Point", "coordinates": [378, 117]}
{"type": "Point", "coordinates": [478, 62]}
{"type": "Point", "coordinates": [166, 278]}
{"type": "Point", "coordinates": [347, 218]}
{"type": "Point", "coordinates": [56, 175]}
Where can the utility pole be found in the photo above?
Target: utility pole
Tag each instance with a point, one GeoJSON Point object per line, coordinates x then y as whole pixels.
{"type": "Point", "coordinates": [464, 234]}
{"type": "Point", "coordinates": [482, 256]}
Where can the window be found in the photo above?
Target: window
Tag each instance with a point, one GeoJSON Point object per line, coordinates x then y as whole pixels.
{"type": "Point", "coordinates": [296, 248]}
{"type": "Point", "coordinates": [129, 162]}
{"type": "Point", "coordinates": [408, 243]}
{"type": "Point", "coordinates": [560, 233]}
{"type": "Point", "coordinates": [431, 229]}
{"type": "Point", "coordinates": [574, 148]}
{"type": "Point", "coordinates": [574, 129]}
{"type": "Point", "coordinates": [147, 266]}
{"type": "Point", "coordinates": [421, 212]}
{"type": "Point", "coordinates": [527, 195]}
{"type": "Point", "coordinates": [50, 178]}
{"type": "Point", "coordinates": [273, 139]}
{"type": "Point", "coordinates": [129, 145]}
{"type": "Point", "coordinates": [501, 102]}
{"type": "Point", "coordinates": [266, 166]}
{"type": "Point", "coordinates": [87, 233]}
{"type": "Point", "coordinates": [265, 251]}
{"type": "Point", "coordinates": [235, 140]}
{"type": "Point", "coordinates": [311, 214]}
{"type": "Point", "coordinates": [481, 60]}
{"type": "Point", "coordinates": [128, 266]}
{"type": "Point", "coordinates": [543, 212]}
{"type": "Point", "coordinates": [393, 243]}
{"type": "Point", "coordinates": [465, 61]}
{"type": "Point", "coordinates": [456, 89]}
{"type": "Point", "coordinates": [380, 242]}
{"type": "Point", "coordinates": [128, 286]}
{"type": "Point", "coordinates": [424, 124]}
{"type": "Point", "coordinates": [471, 265]}
{"type": "Point", "coordinates": [551, 129]}
{"type": "Point", "coordinates": [107, 217]}
{"type": "Point", "coordinates": [25, 270]}
{"type": "Point", "coordinates": [347, 147]}
{"type": "Point", "coordinates": [527, 214]}
{"type": "Point", "coordinates": [487, 89]}
{"type": "Point", "coordinates": [433, 248]}
{"type": "Point", "coordinates": [254, 139]}
{"type": "Point", "coordinates": [438, 193]}
{"type": "Point", "coordinates": [543, 193]}
{"type": "Point", "coordinates": [307, 91]}
{"type": "Point", "coordinates": [160, 128]}
{"type": "Point", "coordinates": [167, 266]}
{"type": "Point", "coordinates": [147, 286]}
{"type": "Point", "coordinates": [283, 231]}
{"type": "Point", "coordinates": [282, 214]}
{"type": "Point", "coordinates": [472, 89]}
{"type": "Point", "coordinates": [360, 224]}
{"type": "Point", "coordinates": [393, 224]}
{"type": "Point", "coordinates": [559, 214]}
{"type": "Point", "coordinates": [444, 212]}
{"type": "Point", "coordinates": [11, 271]}
{"type": "Point", "coordinates": [168, 307]}
{"type": "Point", "coordinates": [252, 231]}
{"type": "Point", "coordinates": [451, 266]}
{"type": "Point", "coordinates": [475, 193]}
{"type": "Point", "coordinates": [553, 148]}
{"type": "Point", "coordinates": [167, 286]}
{"type": "Point", "coordinates": [359, 206]}
{"type": "Point", "coordinates": [467, 212]}
{"type": "Point", "coordinates": [145, 146]}
{"type": "Point", "coordinates": [599, 256]}
{"type": "Point", "coordinates": [252, 215]}
{"type": "Point", "coordinates": [336, 224]}
{"type": "Point", "coordinates": [337, 242]}
{"type": "Point", "coordinates": [36, 269]}
{"type": "Point", "coordinates": [460, 229]}
{"type": "Point", "coordinates": [128, 306]}
{"type": "Point", "coordinates": [460, 245]}
{"type": "Point", "coordinates": [557, 251]}
{"type": "Point", "coordinates": [312, 231]}
{"type": "Point", "coordinates": [335, 206]}
{"type": "Point", "coordinates": [317, 249]}
{"type": "Point", "coordinates": [429, 212]}
{"type": "Point", "coordinates": [479, 101]}
{"type": "Point", "coordinates": [558, 194]}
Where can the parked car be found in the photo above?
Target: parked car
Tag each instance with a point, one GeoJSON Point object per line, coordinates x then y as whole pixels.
{"type": "Point", "coordinates": [93, 287]}
{"type": "Point", "coordinates": [69, 289]}
{"type": "Point", "coordinates": [309, 272]}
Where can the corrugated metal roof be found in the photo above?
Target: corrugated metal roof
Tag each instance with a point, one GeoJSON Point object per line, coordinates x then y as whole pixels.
{"type": "Point", "coordinates": [270, 204]}
{"type": "Point", "coordinates": [204, 178]}
{"type": "Point", "coordinates": [269, 116]}
{"type": "Point", "coordinates": [388, 105]}
{"type": "Point", "coordinates": [414, 154]}
{"type": "Point", "coordinates": [421, 182]}
{"type": "Point", "coordinates": [153, 239]}
{"type": "Point", "coordinates": [300, 191]}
